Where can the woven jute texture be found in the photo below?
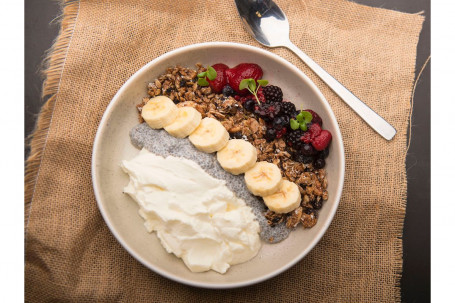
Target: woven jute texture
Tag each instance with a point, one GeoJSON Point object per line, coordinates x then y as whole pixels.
{"type": "Point", "coordinates": [70, 254]}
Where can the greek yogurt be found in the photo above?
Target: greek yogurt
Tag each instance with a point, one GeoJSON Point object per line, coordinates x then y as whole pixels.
{"type": "Point", "coordinates": [195, 216]}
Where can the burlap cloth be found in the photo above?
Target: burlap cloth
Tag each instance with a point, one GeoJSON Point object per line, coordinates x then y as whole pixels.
{"type": "Point", "coordinates": [70, 254]}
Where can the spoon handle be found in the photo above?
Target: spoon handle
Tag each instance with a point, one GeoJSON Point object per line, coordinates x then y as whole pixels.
{"type": "Point", "coordinates": [376, 122]}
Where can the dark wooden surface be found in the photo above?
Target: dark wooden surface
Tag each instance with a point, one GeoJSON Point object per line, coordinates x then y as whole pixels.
{"type": "Point", "coordinates": [41, 30]}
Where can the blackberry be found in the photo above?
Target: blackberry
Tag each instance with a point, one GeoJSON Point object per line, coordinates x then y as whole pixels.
{"type": "Point", "coordinates": [267, 111]}
{"type": "Point", "coordinates": [293, 139]}
{"type": "Point", "coordinates": [270, 134]}
{"type": "Point", "coordinates": [288, 109]}
{"type": "Point", "coordinates": [249, 105]}
{"type": "Point", "coordinates": [308, 159]}
{"type": "Point", "coordinates": [280, 121]}
{"type": "Point", "coordinates": [272, 93]}
{"type": "Point", "coordinates": [228, 91]}
{"type": "Point", "coordinates": [298, 157]}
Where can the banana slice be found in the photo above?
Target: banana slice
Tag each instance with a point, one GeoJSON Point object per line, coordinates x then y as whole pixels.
{"type": "Point", "coordinates": [188, 118]}
{"type": "Point", "coordinates": [237, 156]}
{"type": "Point", "coordinates": [210, 136]}
{"type": "Point", "coordinates": [286, 199]}
{"type": "Point", "coordinates": [263, 179]}
{"type": "Point", "coordinates": [159, 112]}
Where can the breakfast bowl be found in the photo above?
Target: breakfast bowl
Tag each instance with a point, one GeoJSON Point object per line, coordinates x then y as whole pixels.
{"type": "Point", "coordinates": [112, 145]}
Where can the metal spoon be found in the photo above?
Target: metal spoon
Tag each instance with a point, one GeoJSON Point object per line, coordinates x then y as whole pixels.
{"type": "Point", "coordinates": [267, 23]}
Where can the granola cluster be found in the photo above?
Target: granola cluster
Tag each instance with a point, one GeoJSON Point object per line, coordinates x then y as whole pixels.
{"type": "Point", "coordinates": [180, 85]}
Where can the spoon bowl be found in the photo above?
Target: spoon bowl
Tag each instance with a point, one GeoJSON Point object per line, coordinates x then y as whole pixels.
{"type": "Point", "coordinates": [265, 21]}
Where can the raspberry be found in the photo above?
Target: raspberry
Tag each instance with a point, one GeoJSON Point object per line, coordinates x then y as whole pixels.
{"type": "Point", "coordinates": [316, 118]}
{"type": "Point", "coordinates": [322, 140]}
{"type": "Point", "coordinates": [306, 137]}
{"type": "Point", "coordinates": [260, 95]}
{"type": "Point", "coordinates": [273, 93]}
{"type": "Point", "coordinates": [280, 133]}
{"type": "Point", "coordinates": [287, 109]}
{"type": "Point", "coordinates": [315, 130]}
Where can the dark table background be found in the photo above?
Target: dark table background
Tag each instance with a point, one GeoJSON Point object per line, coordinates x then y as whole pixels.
{"type": "Point", "coordinates": [41, 28]}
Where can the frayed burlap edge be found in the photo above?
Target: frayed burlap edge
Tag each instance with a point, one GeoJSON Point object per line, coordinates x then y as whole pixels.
{"type": "Point", "coordinates": [54, 64]}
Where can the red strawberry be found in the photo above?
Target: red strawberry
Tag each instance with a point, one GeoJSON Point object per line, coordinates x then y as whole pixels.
{"type": "Point", "coordinates": [322, 141]}
{"type": "Point", "coordinates": [316, 118]}
{"type": "Point", "coordinates": [243, 71]}
{"type": "Point", "coordinates": [220, 80]}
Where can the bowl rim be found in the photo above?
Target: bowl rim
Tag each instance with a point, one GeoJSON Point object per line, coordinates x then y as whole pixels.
{"type": "Point", "coordinates": [184, 49]}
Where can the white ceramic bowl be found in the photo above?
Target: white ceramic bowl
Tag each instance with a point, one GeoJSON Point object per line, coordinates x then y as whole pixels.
{"type": "Point", "coordinates": [112, 145]}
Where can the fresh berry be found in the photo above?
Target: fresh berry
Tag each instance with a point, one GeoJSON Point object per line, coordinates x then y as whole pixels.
{"type": "Point", "coordinates": [308, 159]}
{"type": "Point", "coordinates": [322, 140]}
{"type": "Point", "coordinates": [270, 134]}
{"type": "Point", "coordinates": [298, 157]}
{"type": "Point", "coordinates": [249, 105]}
{"type": "Point", "coordinates": [281, 133]}
{"type": "Point", "coordinates": [243, 71]}
{"type": "Point", "coordinates": [306, 137]}
{"type": "Point", "coordinates": [313, 131]}
{"type": "Point", "coordinates": [319, 163]}
{"type": "Point", "coordinates": [288, 109]}
{"type": "Point", "coordinates": [273, 93]}
{"type": "Point", "coordinates": [324, 154]}
{"type": "Point", "coordinates": [260, 95]}
{"type": "Point", "coordinates": [316, 118]}
{"type": "Point", "coordinates": [280, 121]}
{"type": "Point", "coordinates": [228, 91]}
{"type": "Point", "coordinates": [294, 139]}
{"type": "Point", "coordinates": [267, 111]}
{"type": "Point", "coordinates": [308, 150]}
{"type": "Point", "coordinates": [236, 135]}
{"type": "Point", "coordinates": [220, 80]}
